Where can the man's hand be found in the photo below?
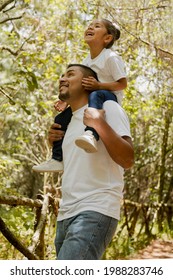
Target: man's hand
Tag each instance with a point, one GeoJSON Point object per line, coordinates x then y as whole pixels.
{"type": "Point", "coordinates": [90, 83]}
{"type": "Point", "coordinates": [93, 117]}
{"type": "Point", "coordinates": [60, 106]}
{"type": "Point", "coordinates": [55, 133]}
{"type": "Point", "coordinates": [119, 147]}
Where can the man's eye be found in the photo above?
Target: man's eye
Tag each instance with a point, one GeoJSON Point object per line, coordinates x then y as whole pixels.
{"type": "Point", "coordinates": [70, 74]}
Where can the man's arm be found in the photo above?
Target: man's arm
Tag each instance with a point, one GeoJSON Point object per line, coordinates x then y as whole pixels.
{"type": "Point", "coordinates": [54, 134]}
{"type": "Point", "coordinates": [119, 148]}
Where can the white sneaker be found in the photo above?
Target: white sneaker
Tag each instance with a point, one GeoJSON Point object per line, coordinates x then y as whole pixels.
{"type": "Point", "coordinates": [51, 165]}
{"type": "Point", "coordinates": [87, 142]}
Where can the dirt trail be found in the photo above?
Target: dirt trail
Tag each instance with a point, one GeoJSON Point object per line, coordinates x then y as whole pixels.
{"type": "Point", "coordinates": [158, 249]}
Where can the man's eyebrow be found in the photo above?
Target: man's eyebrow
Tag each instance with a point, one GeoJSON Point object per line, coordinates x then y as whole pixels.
{"type": "Point", "coordinates": [70, 70]}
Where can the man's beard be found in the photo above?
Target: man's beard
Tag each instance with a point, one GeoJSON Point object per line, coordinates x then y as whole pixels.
{"type": "Point", "coordinates": [64, 96]}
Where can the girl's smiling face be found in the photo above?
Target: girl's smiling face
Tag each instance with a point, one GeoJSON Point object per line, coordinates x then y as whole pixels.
{"type": "Point", "coordinates": [97, 33]}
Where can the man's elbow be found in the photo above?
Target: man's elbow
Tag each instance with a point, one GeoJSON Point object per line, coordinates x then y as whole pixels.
{"type": "Point", "coordinates": [123, 84]}
{"type": "Point", "coordinates": [128, 161]}
{"type": "Point", "coordinates": [129, 158]}
{"type": "Point", "coordinates": [128, 164]}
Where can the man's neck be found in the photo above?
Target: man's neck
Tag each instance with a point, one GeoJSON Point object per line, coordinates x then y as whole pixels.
{"type": "Point", "coordinates": [76, 105]}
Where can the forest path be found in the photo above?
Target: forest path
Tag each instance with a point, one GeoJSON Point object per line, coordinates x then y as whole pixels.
{"type": "Point", "coordinates": [157, 249]}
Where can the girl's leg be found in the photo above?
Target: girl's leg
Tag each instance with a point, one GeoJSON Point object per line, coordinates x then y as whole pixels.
{"type": "Point", "coordinates": [63, 119]}
{"type": "Point", "coordinates": [55, 163]}
{"type": "Point", "coordinates": [88, 141]}
{"type": "Point", "coordinates": [96, 100]}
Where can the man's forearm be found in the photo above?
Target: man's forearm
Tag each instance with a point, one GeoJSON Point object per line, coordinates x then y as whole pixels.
{"type": "Point", "coordinates": [119, 148]}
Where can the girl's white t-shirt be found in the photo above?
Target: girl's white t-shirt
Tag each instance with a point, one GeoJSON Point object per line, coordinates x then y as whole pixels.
{"type": "Point", "coordinates": [92, 181]}
{"type": "Point", "coordinates": [109, 67]}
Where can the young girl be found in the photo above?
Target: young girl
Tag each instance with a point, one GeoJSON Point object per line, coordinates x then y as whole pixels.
{"type": "Point", "coordinates": [100, 36]}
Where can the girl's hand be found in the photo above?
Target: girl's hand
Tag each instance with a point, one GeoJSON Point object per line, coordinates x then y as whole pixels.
{"type": "Point", "coordinates": [90, 83]}
{"type": "Point", "coordinates": [60, 106]}
{"type": "Point", "coordinates": [55, 133]}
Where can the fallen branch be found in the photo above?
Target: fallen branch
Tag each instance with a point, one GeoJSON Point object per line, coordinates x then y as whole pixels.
{"type": "Point", "coordinates": [150, 205]}
{"type": "Point", "coordinates": [41, 224]}
{"type": "Point", "coordinates": [16, 201]}
{"type": "Point", "coordinates": [15, 242]}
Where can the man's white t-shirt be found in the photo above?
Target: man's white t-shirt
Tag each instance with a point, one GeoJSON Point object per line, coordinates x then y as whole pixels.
{"type": "Point", "coordinates": [92, 181]}
{"type": "Point", "coordinates": [109, 67]}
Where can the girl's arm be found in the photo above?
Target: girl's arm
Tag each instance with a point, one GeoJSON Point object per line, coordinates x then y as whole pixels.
{"type": "Point", "coordinates": [92, 84]}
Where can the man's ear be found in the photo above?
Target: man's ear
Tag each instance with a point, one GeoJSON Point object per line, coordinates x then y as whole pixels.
{"type": "Point", "coordinates": [108, 39]}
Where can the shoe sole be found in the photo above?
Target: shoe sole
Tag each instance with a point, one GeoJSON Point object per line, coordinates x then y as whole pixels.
{"type": "Point", "coordinates": [35, 170]}
{"type": "Point", "coordinates": [89, 148]}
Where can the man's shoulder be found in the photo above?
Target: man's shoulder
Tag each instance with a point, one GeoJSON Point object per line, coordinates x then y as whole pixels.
{"type": "Point", "coordinates": [117, 118]}
{"type": "Point", "coordinates": [112, 107]}
{"type": "Point", "coordinates": [110, 104]}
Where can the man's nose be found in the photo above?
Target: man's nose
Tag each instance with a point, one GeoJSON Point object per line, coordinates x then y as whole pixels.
{"type": "Point", "coordinates": [62, 79]}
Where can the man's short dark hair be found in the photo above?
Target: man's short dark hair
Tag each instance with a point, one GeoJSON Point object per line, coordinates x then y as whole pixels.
{"type": "Point", "coordinates": [87, 71]}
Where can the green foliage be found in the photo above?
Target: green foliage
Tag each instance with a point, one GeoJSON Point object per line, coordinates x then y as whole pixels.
{"type": "Point", "coordinates": [20, 221]}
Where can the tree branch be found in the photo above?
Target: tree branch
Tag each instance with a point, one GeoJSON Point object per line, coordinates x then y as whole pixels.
{"type": "Point", "coordinates": [143, 205]}
{"type": "Point", "coordinates": [157, 48]}
{"type": "Point", "coordinates": [41, 224]}
{"type": "Point", "coordinates": [12, 101]}
{"type": "Point", "coordinates": [14, 201]}
{"type": "Point", "coordinates": [6, 3]}
{"type": "Point", "coordinates": [151, 45]}
{"type": "Point", "coordinates": [15, 53]}
{"type": "Point", "coordinates": [7, 95]}
{"type": "Point", "coordinates": [15, 242]}
{"type": "Point", "coordinates": [10, 19]}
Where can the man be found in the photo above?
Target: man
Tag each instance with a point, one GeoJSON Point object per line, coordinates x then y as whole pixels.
{"type": "Point", "coordinates": [92, 184]}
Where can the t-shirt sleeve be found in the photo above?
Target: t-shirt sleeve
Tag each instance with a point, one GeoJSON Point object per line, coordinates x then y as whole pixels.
{"type": "Point", "coordinates": [116, 67]}
{"type": "Point", "coordinates": [117, 118]}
